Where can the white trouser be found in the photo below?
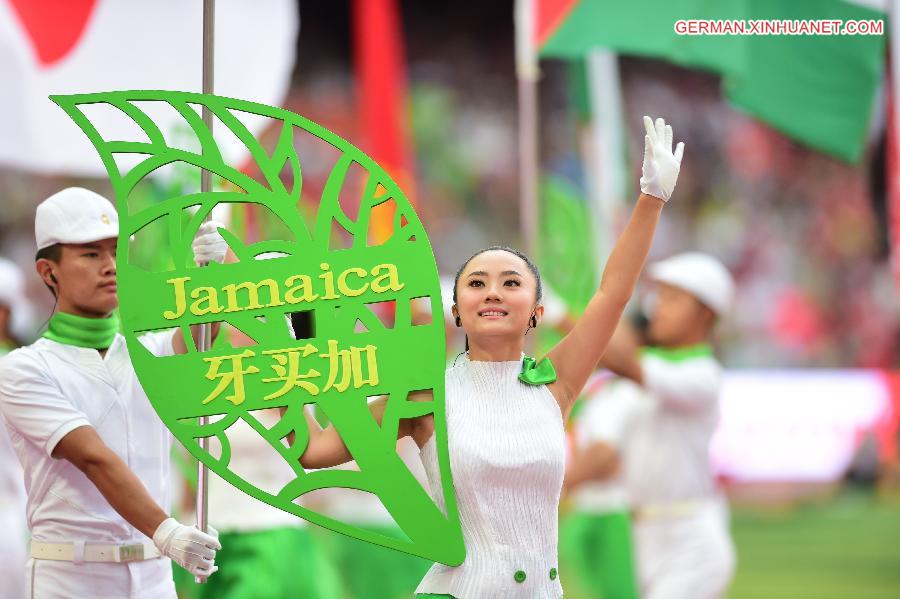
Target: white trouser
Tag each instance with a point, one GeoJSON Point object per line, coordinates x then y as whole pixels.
{"type": "Point", "coordinates": [148, 579]}
{"type": "Point", "coordinates": [688, 556]}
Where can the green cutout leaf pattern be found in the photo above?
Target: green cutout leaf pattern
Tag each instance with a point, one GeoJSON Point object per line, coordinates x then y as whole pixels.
{"type": "Point", "coordinates": [337, 369]}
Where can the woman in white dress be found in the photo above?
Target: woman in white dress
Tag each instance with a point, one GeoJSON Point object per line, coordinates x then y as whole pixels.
{"type": "Point", "coordinates": [506, 414]}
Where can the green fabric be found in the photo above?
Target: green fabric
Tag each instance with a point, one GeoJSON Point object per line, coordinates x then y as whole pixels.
{"type": "Point", "coordinates": [280, 563]}
{"type": "Point", "coordinates": [817, 89]}
{"type": "Point", "coordinates": [537, 373]}
{"type": "Point", "coordinates": [596, 555]}
{"type": "Point", "coordinates": [96, 333]}
{"type": "Point", "coordinates": [567, 238]}
{"type": "Point", "coordinates": [371, 571]}
{"type": "Point", "coordinates": [579, 89]}
{"type": "Point", "coordinates": [648, 29]}
{"type": "Point", "coordinates": [702, 350]}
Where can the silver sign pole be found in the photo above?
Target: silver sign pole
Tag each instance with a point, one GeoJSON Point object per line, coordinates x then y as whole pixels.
{"type": "Point", "coordinates": [205, 337]}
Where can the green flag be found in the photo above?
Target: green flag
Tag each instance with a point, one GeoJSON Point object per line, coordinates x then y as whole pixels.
{"type": "Point", "coordinates": [817, 89]}
{"type": "Point", "coordinates": [565, 243]}
{"type": "Point", "coordinates": [643, 29]}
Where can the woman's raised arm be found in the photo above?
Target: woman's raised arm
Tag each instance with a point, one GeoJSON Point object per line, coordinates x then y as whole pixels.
{"type": "Point", "coordinates": [576, 356]}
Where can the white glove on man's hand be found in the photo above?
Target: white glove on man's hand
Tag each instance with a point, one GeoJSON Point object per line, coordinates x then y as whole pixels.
{"type": "Point", "coordinates": [661, 166]}
{"type": "Point", "coordinates": [209, 245]}
{"type": "Point", "coordinates": [188, 546]}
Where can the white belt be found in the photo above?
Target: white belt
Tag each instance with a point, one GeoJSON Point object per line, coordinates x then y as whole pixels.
{"type": "Point", "coordinates": [93, 552]}
{"type": "Point", "coordinates": [673, 510]}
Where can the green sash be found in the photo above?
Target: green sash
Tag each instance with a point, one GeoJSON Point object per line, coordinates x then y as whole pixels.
{"type": "Point", "coordinates": [95, 333]}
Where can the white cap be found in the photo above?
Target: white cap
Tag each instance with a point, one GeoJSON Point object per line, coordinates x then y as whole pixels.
{"type": "Point", "coordinates": [74, 215]}
{"type": "Point", "coordinates": [12, 296]}
{"type": "Point", "coordinates": [699, 274]}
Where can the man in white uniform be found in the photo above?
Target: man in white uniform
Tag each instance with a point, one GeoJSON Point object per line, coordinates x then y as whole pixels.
{"type": "Point", "coordinates": [95, 454]}
{"type": "Point", "coordinates": [14, 541]}
{"type": "Point", "coordinates": [16, 314]}
{"type": "Point", "coordinates": [595, 535]}
{"type": "Point", "coordinates": [14, 318]}
{"type": "Point", "coordinates": [684, 550]}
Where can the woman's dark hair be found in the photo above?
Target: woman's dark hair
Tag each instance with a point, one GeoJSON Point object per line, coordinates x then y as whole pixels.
{"type": "Point", "coordinates": [502, 248]}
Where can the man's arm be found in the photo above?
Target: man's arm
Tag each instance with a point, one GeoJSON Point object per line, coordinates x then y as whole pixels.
{"type": "Point", "coordinates": [680, 386]}
{"type": "Point", "coordinates": [84, 448]}
{"type": "Point", "coordinates": [180, 346]}
{"type": "Point", "coordinates": [34, 406]}
{"type": "Point", "coordinates": [621, 355]}
{"type": "Point", "coordinates": [191, 548]}
{"type": "Point", "coordinates": [685, 386]}
{"type": "Point", "coordinates": [597, 462]}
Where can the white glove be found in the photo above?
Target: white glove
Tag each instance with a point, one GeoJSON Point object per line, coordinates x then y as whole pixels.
{"type": "Point", "coordinates": [209, 245]}
{"type": "Point", "coordinates": [188, 546]}
{"type": "Point", "coordinates": [661, 166]}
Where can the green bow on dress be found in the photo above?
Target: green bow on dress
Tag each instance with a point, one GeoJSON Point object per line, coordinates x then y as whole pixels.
{"type": "Point", "coordinates": [537, 373]}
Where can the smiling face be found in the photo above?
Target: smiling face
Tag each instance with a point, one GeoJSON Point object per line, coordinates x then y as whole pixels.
{"type": "Point", "coordinates": [678, 318]}
{"type": "Point", "coordinates": [85, 278]}
{"type": "Point", "coordinates": [496, 295]}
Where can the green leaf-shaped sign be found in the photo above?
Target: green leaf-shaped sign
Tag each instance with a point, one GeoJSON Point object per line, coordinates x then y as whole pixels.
{"type": "Point", "coordinates": [351, 354]}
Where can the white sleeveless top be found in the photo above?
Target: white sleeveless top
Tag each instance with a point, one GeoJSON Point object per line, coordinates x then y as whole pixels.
{"type": "Point", "coordinates": [507, 454]}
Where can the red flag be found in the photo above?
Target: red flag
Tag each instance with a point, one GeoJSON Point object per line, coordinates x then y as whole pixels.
{"type": "Point", "coordinates": [892, 173]}
{"type": "Point", "coordinates": [77, 46]}
{"type": "Point", "coordinates": [550, 16]}
{"type": "Point", "coordinates": [53, 27]}
{"type": "Point", "coordinates": [380, 68]}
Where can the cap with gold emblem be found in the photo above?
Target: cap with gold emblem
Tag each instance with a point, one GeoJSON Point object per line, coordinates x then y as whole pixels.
{"type": "Point", "coordinates": [74, 215]}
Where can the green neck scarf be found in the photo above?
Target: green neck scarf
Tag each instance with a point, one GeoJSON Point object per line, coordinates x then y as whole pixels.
{"type": "Point", "coordinates": [702, 350]}
{"type": "Point", "coordinates": [96, 333]}
{"type": "Point", "coordinates": [537, 373]}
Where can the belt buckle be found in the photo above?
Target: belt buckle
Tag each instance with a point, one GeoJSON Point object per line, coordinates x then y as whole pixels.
{"type": "Point", "coordinates": [131, 553]}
